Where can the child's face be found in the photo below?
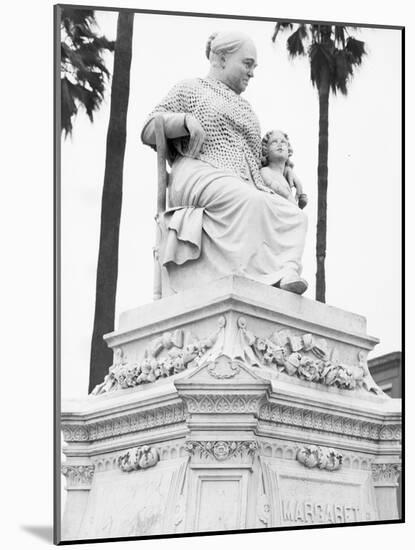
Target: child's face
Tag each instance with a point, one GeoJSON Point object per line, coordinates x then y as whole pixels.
{"type": "Point", "coordinates": [277, 146]}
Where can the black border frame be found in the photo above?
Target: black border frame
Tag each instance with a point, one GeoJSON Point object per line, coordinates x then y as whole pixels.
{"type": "Point", "coordinates": [57, 276]}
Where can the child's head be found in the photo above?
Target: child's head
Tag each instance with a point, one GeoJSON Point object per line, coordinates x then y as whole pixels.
{"type": "Point", "coordinates": [275, 145]}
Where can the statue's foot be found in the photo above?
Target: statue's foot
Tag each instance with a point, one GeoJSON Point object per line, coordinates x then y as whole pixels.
{"type": "Point", "coordinates": [295, 284]}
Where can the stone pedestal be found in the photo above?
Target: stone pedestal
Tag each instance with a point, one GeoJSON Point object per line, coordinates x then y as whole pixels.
{"type": "Point", "coordinates": [236, 406]}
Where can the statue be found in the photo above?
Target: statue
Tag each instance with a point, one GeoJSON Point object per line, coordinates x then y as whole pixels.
{"type": "Point", "coordinates": [276, 153]}
{"type": "Point", "coordinates": [223, 218]}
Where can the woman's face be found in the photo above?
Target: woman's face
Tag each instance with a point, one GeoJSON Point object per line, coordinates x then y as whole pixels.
{"type": "Point", "coordinates": [239, 67]}
{"type": "Point", "coordinates": [278, 146]}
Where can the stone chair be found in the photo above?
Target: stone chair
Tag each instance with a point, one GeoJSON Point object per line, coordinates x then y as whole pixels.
{"type": "Point", "coordinates": [160, 286]}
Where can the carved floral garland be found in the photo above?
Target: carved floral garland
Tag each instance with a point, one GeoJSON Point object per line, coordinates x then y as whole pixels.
{"type": "Point", "coordinates": [302, 356]}
{"type": "Point", "coordinates": [176, 357]}
{"type": "Point", "coordinates": [281, 351]}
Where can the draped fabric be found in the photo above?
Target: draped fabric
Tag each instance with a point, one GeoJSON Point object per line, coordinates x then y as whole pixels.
{"type": "Point", "coordinates": [219, 222]}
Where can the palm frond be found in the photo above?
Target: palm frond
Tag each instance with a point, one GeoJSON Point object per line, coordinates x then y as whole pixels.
{"type": "Point", "coordinates": [339, 35]}
{"type": "Point", "coordinates": [343, 70]}
{"type": "Point", "coordinates": [280, 26]}
{"type": "Point", "coordinates": [295, 44]}
{"type": "Point", "coordinates": [356, 49]}
{"type": "Point", "coordinates": [83, 70]}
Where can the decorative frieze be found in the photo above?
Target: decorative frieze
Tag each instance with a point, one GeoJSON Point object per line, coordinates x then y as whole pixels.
{"type": "Point", "coordinates": [288, 451]}
{"type": "Point", "coordinates": [235, 403]}
{"type": "Point", "coordinates": [139, 458]}
{"type": "Point", "coordinates": [304, 356]}
{"type": "Point", "coordinates": [326, 422]}
{"type": "Point", "coordinates": [222, 403]}
{"type": "Point", "coordinates": [386, 473]}
{"type": "Point", "coordinates": [113, 427]}
{"type": "Point", "coordinates": [221, 450]}
{"type": "Point", "coordinates": [78, 476]}
{"type": "Point", "coordinates": [313, 456]}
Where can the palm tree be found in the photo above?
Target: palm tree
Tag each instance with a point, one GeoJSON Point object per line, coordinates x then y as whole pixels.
{"type": "Point", "coordinates": [107, 269]}
{"type": "Point", "coordinates": [83, 71]}
{"type": "Point", "coordinates": [333, 54]}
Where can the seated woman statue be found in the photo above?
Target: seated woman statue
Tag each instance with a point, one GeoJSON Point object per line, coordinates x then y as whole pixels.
{"type": "Point", "coordinates": [223, 219]}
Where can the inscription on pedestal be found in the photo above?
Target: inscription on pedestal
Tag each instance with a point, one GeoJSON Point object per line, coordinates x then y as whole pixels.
{"type": "Point", "coordinates": [306, 496]}
{"type": "Point", "coordinates": [305, 512]}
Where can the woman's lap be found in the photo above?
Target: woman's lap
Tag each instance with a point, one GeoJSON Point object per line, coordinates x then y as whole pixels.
{"type": "Point", "coordinates": [244, 230]}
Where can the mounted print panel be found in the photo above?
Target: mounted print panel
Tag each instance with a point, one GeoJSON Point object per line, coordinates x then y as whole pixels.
{"type": "Point", "coordinates": [229, 210]}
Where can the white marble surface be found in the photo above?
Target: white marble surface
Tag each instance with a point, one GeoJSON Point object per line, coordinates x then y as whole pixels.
{"type": "Point", "coordinates": [227, 429]}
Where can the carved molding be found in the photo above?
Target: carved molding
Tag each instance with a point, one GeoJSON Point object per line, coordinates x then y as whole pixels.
{"type": "Point", "coordinates": [313, 456]}
{"type": "Point", "coordinates": [166, 451]}
{"type": "Point", "coordinates": [222, 403]}
{"type": "Point", "coordinates": [222, 450]}
{"type": "Point", "coordinates": [386, 473]}
{"type": "Point", "coordinates": [306, 418]}
{"type": "Point", "coordinates": [139, 458]}
{"type": "Point", "coordinates": [121, 425]}
{"type": "Point", "coordinates": [288, 451]}
{"type": "Point", "coordinates": [78, 477]}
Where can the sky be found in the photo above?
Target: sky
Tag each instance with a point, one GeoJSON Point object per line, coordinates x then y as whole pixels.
{"type": "Point", "coordinates": [363, 251]}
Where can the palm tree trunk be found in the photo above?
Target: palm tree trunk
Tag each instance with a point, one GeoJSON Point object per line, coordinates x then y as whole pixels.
{"type": "Point", "coordinates": [323, 146]}
{"type": "Point", "coordinates": [107, 269]}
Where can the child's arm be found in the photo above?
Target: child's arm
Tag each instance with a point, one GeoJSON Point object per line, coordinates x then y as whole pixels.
{"type": "Point", "coordinates": [293, 180]}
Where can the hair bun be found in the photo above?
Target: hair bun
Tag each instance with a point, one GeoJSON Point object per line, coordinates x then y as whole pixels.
{"type": "Point", "coordinates": [209, 43]}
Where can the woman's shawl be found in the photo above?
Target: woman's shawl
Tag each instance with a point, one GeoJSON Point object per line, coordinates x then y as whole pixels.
{"type": "Point", "coordinates": [233, 136]}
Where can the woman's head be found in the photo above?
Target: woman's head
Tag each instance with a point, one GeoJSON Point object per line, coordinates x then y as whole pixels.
{"type": "Point", "coordinates": [275, 146]}
{"type": "Point", "coordinates": [232, 56]}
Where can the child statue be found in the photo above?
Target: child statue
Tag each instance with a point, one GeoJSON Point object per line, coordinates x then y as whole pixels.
{"type": "Point", "coordinates": [276, 153]}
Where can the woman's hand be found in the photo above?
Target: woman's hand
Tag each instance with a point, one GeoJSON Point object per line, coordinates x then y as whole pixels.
{"type": "Point", "coordinates": [196, 133]}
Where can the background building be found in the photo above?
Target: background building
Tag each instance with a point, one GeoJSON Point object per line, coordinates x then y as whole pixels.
{"type": "Point", "coordinates": [386, 371]}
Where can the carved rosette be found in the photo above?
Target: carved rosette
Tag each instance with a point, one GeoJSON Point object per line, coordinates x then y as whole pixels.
{"type": "Point", "coordinates": [78, 477]}
{"type": "Point", "coordinates": [313, 456]}
{"type": "Point", "coordinates": [221, 451]}
{"type": "Point", "coordinates": [139, 458]}
{"type": "Point", "coordinates": [386, 474]}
